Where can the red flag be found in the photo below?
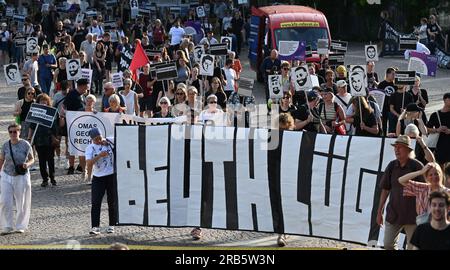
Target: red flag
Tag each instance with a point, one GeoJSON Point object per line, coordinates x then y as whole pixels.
{"type": "Point", "coordinates": [139, 60]}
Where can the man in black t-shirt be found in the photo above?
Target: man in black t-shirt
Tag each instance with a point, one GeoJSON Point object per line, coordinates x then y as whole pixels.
{"type": "Point", "coordinates": [389, 88]}
{"type": "Point", "coordinates": [440, 122]}
{"type": "Point", "coordinates": [433, 33]}
{"type": "Point", "coordinates": [397, 103]}
{"type": "Point", "coordinates": [434, 235]}
{"type": "Point", "coordinates": [304, 119]}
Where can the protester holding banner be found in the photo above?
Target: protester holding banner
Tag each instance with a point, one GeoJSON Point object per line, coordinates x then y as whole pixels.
{"type": "Point", "coordinates": [212, 114]}
{"type": "Point", "coordinates": [45, 141]}
{"type": "Point", "coordinates": [114, 105]}
{"type": "Point", "coordinates": [100, 164]}
{"type": "Point", "coordinates": [439, 124]}
{"type": "Point", "coordinates": [164, 104]}
{"type": "Point", "coordinates": [401, 211]}
{"type": "Point", "coordinates": [420, 96]}
{"type": "Point", "coordinates": [110, 90]}
{"type": "Point", "coordinates": [16, 157]}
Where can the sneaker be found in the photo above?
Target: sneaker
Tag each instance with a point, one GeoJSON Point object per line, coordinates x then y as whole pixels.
{"type": "Point", "coordinates": [95, 231]}
{"type": "Point", "coordinates": [79, 169]}
{"type": "Point", "coordinates": [71, 170]}
{"type": "Point", "coordinates": [34, 168]}
{"type": "Point", "coordinates": [44, 184]}
{"type": "Point", "coordinates": [66, 164]}
{"type": "Point", "coordinates": [7, 231]}
{"type": "Point", "coordinates": [281, 241]}
{"type": "Point", "coordinates": [196, 234]}
{"type": "Point", "coordinates": [53, 182]}
{"type": "Point", "coordinates": [110, 229]}
{"type": "Point", "coordinates": [19, 231]}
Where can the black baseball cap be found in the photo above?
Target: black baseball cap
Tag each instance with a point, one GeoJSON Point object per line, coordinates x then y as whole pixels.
{"type": "Point", "coordinates": [82, 81]}
{"type": "Point", "coordinates": [447, 95]}
{"type": "Point", "coordinates": [412, 107]}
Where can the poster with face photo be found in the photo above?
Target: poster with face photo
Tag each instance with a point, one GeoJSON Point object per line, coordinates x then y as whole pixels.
{"type": "Point", "coordinates": [32, 45]}
{"type": "Point", "coordinates": [207, 65]}
{"type": "Point", "coordinates": [371, 53]}
{"type": "Point", "coordinates": [301, 79]}
{"type": "Point", "coordinates": [12, 74]}
{"type": "Point", "coordinates": [73, 69]}
{"type": "Point", "coordinates": [275, 89]}
{"type": "Point", "coordinates": [134, 6]}
{"type": "Point", "coordinates": [201, 12]}
{"type": "Point", "coordinates": [198, 52]}
{"type": "Point", "coordinates": [358, 80]}
{"type": "Point", "coordinates": [227, 40]}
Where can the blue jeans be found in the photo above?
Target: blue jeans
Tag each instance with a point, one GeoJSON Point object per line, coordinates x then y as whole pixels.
{"type": "Point", "coordinates": [45, 84]}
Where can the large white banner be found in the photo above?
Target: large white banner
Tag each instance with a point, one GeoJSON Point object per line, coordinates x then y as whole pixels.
{"type": "Point", "coordinates": [310, 184]}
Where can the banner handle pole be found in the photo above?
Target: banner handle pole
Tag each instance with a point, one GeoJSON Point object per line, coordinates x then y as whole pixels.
{"type": "Point", "coordinates": [360, 112]}
{"type": "Point", "coordinates": [34, 134]}
{"type": "Point", "coordinates": [403, 98]}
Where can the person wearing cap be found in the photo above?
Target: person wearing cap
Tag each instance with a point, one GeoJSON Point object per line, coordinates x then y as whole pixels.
{"type": "Point", "coordinates": [341, 73]}
{"type": "Point", "coordinates": [100, 165]}
{"type": "Point", "coordinates": [46, 62]}
{"type": "Point", "coordinates": [401, 211]}
{"type": "Point", "coordinates": [413, 114]}
{"type": "Point", "coordinates": [342, 96]}
{"type": "Point", "coordinates": [440, 123]}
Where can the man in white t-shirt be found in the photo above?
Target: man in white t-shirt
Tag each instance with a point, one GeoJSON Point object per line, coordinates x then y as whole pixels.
{"type": "Point", "coordinates": [100, 163]}
{"type": "Point", "coordinates": [176, 34]}
{"type": "Point", "coordinates": [230, 74]}
{"type": "Point", "coordinates": [31, 68]}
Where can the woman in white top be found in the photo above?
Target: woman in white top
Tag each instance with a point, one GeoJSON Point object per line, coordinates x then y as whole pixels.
{"type": "Point", "coordinates": [130, 97]}
{"type": "Point", "coordinates": [213, 115]}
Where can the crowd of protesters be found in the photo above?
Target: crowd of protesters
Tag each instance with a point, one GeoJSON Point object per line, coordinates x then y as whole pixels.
{"type": "Point", "coordinates": [212, 100]}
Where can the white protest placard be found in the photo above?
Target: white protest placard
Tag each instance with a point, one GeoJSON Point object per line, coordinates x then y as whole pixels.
{"type": "Point", "coordinates": [226, 40]}
{"type": "Point", "coordinates": [207, 65]}
{"type": "Point", "coordinates": [246, 87]}
{"type": "Point", "coordinates": [45, 7]}
{"type": "Point", "coordinates": [275, 89]}
{"type": "Point", "coordinates": [322, 46]}
{"type": "Point", "coordinates": [199, 50]}
{"type": "Point", "coordinates": [86, 73]}
{"type": "Point", "coordinates": [358, 81]}
{"type": "Point", "coordinates": [116, 79]}
{"type": "Point", "coordinates": [200, 12]}
{"type": "Point", "coordinates": [301, 79]}
{"type": "Point", "coordinates": [314, 80]}
{"type": "Point", "coordinates": [12, 74]}
{"type": "Point", "coordinates": [378, 95]}
{"type": "Point", "coordinates": [73, 69]}
{"type": "Point", "coordinates": [80, 123]}
{"type": "Point", "coordinates": [371, 53]}
{"type": "Point", "coordinates": [80, 18]}
{"type": "Point", "coordinates": [32, 45]}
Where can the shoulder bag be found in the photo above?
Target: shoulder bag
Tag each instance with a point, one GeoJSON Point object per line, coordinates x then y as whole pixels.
{"type": "Point", "coordinates": [17, 167]}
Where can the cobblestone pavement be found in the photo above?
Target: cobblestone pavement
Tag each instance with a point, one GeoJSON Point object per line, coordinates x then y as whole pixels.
{"type": "Point", "coordinates": [62, 213]}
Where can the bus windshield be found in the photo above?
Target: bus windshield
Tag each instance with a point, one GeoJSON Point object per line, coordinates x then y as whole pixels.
{"type": "Point", "coordinates": [309, 35]}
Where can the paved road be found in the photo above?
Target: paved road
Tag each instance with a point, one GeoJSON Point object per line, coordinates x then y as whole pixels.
{"type": "Point", "coordinates": [62, 214]}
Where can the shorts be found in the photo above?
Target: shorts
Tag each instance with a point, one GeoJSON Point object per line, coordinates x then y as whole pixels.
{"type": "Point", "coordinates": [4, 46]}
{"type": "Point", "coordinates": [62, 131]}
{"type": "Point", "coordinates": [147, 104]}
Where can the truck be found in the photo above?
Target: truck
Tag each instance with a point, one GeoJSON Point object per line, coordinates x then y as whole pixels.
{"type": "Point", "coordinates": [271, 24]}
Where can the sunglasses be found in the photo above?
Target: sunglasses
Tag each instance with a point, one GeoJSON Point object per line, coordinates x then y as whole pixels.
{"type": "Point", "coordinates": [180, 94]}
{"type": "Point", "coordinates": [13, 131]}
{"type": "Point", "coordinates": [24, 79]}
{"type": "Point", "coordinates": [212, 102]}
{"type": "Point", "coordinates": [30, 93]}
{"type": "Point", "coordinates": [161, 103]}
{"type": "Point", "coordinates": [109, 88]}
{"type": "Point", "coordinates": [286, 97]}
{"type": "Point", "coordinates": [285, 68]}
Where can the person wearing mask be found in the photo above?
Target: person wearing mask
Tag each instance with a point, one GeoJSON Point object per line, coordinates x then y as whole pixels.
{"type": "Point", "coordinates": [100, 165]}
{"type": "Point", "coordinates": [401, 211]}
{"type": "Point", "coordinates": [16, 157]}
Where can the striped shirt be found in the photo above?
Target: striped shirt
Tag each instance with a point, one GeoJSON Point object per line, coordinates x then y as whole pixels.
{"type": "Point", "coordinates": [421, 191]}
